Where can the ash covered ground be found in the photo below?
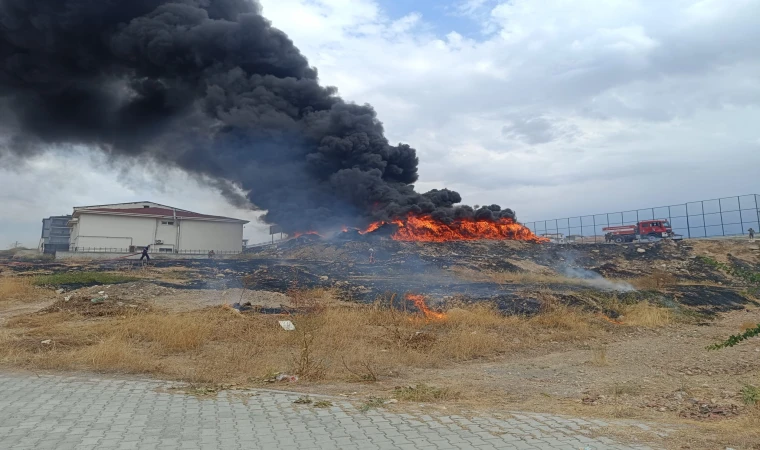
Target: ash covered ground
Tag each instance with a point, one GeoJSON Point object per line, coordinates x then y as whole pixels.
{"type": "Point", "coordinates": [512, 274]}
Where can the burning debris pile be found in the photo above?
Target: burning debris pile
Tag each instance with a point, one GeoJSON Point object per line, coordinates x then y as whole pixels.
{"type": "Point", "coordinates": [426, 228]}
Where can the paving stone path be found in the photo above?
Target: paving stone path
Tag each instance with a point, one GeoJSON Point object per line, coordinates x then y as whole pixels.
{"type": "Point", "coordinates": [58, 412]}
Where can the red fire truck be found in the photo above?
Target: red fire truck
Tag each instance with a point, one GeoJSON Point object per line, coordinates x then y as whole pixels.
{"type": "Point", "coordinates": [645, 229]}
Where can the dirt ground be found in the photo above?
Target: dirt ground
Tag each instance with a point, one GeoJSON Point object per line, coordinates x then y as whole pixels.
{"type": "Point", "coordinates": [662, 374]}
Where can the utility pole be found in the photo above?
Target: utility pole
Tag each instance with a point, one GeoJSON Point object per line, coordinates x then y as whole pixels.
{"type": "Point", "coordinates": [16, 244]}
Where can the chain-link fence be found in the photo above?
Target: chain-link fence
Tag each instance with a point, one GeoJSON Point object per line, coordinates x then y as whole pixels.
{"type": "Point", "coordinates": [728, 216]}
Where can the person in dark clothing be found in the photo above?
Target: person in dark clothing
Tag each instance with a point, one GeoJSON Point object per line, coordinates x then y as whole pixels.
{"type": "Point", "coordinates": [145, 253]}
{"type": "Point", "coordinates": [751, 234]}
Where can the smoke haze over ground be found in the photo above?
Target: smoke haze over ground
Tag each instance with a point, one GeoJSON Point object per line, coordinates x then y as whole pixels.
{"type": "Point", "coordinates": [211, 87]}
{"type": "Point", "coordinates": [571, 269]}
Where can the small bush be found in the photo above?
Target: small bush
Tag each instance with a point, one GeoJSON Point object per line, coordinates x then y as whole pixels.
{"type": "Point", "coordinates": [750, 395]}
{"type": "Point", "coordinates": [599, 356]}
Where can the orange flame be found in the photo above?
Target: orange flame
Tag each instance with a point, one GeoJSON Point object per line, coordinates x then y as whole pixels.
{"type": "Point", "coordinates": [372, 227]}
{"type": "Point", "coordinates": [616, 322]}
{"type": "Point", "coordinates": [424, 228]}
{"type": "Point", "coordinates": [419, 302]}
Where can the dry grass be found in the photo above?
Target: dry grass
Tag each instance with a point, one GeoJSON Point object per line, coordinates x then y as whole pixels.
{"type": "Point", "coordinates": [740, 433]}
{"type": "Point", "coordinates": [333, 342]}
{"type": "Point", "coordinates": [525, 277]}
{"type": "Point", "coordinates": [658, 279]}
{"type": "Point", "coordinates": [424, 393]}
{"type": "Point", "coordinates": [557, 317]}
{"type": "Point", "coordinates": [646, 315]}
{"type": "Point", "coordinates": [116, 354]}
{"type": "Point", "coordinates": [16, 289]}
{"type": "Point", "coordinates": [171, 333]}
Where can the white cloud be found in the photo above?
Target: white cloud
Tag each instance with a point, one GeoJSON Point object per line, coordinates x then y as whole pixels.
{"type": "Point", "coordinates": [562, 107]}
{"type": "Point", "coordinates": [565, 98]}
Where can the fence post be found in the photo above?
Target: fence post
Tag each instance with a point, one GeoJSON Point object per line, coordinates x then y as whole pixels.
{"type": "Point", "coordinates": [670, 221]}
{"type": "Point", "coordinates": [704, 226]}
{"type": "Point", "coordinates": [757, 211]}
{"type": "Point", "coordinates": [720, 211]}
{"type": "Point", "coordinates": [688, 226]}
{"type": "Point", "coordinates": [593, 218]}
{"type": "Point", "coordinates": [741, 217]}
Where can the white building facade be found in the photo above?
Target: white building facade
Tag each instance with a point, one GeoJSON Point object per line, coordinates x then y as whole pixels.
{"type": "Point", "coordinates": [129, 227]}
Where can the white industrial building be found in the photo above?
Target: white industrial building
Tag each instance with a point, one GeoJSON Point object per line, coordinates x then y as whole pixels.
{"type": "Point", "coordinates": [128, 227]}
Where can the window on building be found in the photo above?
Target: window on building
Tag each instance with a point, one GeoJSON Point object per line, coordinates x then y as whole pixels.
{"type": "Point", "coordinates": [171, 222]}
{"type": "Point", "coordinates": [165, 250]}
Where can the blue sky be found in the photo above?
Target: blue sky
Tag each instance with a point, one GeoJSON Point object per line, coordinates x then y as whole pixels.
{"type": "Point", "coordinates": [443, 17]}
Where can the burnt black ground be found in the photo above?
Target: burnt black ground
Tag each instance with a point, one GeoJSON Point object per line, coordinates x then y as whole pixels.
{"type": "Point", "coordinates": [401, 268]}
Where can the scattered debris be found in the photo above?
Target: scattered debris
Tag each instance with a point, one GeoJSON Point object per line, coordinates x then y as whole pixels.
{"type": "Point", "coordinates": [323, 404]}
{"type": "Point", "coordinates": [46, 342]}
{"type": "Point", "coordinates": [89, 306]}
{"type": "Point", "coordinates": [709, 411]}
{"type": "Point", "coordinates": [303, 400]}
{"type": "Point", "coordinates": [287, 325]}
{"type": "Point", "coordinates": [372, 402]}
{"type": "Point", "coordinates": [286, 378]}
{"type": "Point", "coordinates": [244, 307]}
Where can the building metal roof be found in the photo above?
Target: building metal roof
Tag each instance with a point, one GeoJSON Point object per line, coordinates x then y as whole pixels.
{"type": "Point", "coordinates": [164, 213]}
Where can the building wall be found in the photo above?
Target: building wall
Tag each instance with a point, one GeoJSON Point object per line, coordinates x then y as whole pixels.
{"type": "Point", "coordinates": [166, 232]}
{"type": "Point", "coordinates": [218, 236]}
{"type": "Point", "coordinates": [55, 234]}
{"type": "Point", "coordinates": [74, 234]}
{"type": "Point", "coordinates": [121, 232]}
{"type": "Point", "coordinates": [101, 231]}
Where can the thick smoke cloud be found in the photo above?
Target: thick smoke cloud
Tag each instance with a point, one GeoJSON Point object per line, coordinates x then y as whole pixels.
{"type": "Point", "coordinates": [211, 87]}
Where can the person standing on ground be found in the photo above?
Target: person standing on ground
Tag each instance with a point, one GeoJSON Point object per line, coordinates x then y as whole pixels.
{"type": "Point", "coordinates": [145, 253]}
{"type": "Point", "coordinates": [751, 234]}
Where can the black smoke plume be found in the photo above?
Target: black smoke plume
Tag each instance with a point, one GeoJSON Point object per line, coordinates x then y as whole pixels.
{"type": "Point", "coordinates": [211, 87]}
